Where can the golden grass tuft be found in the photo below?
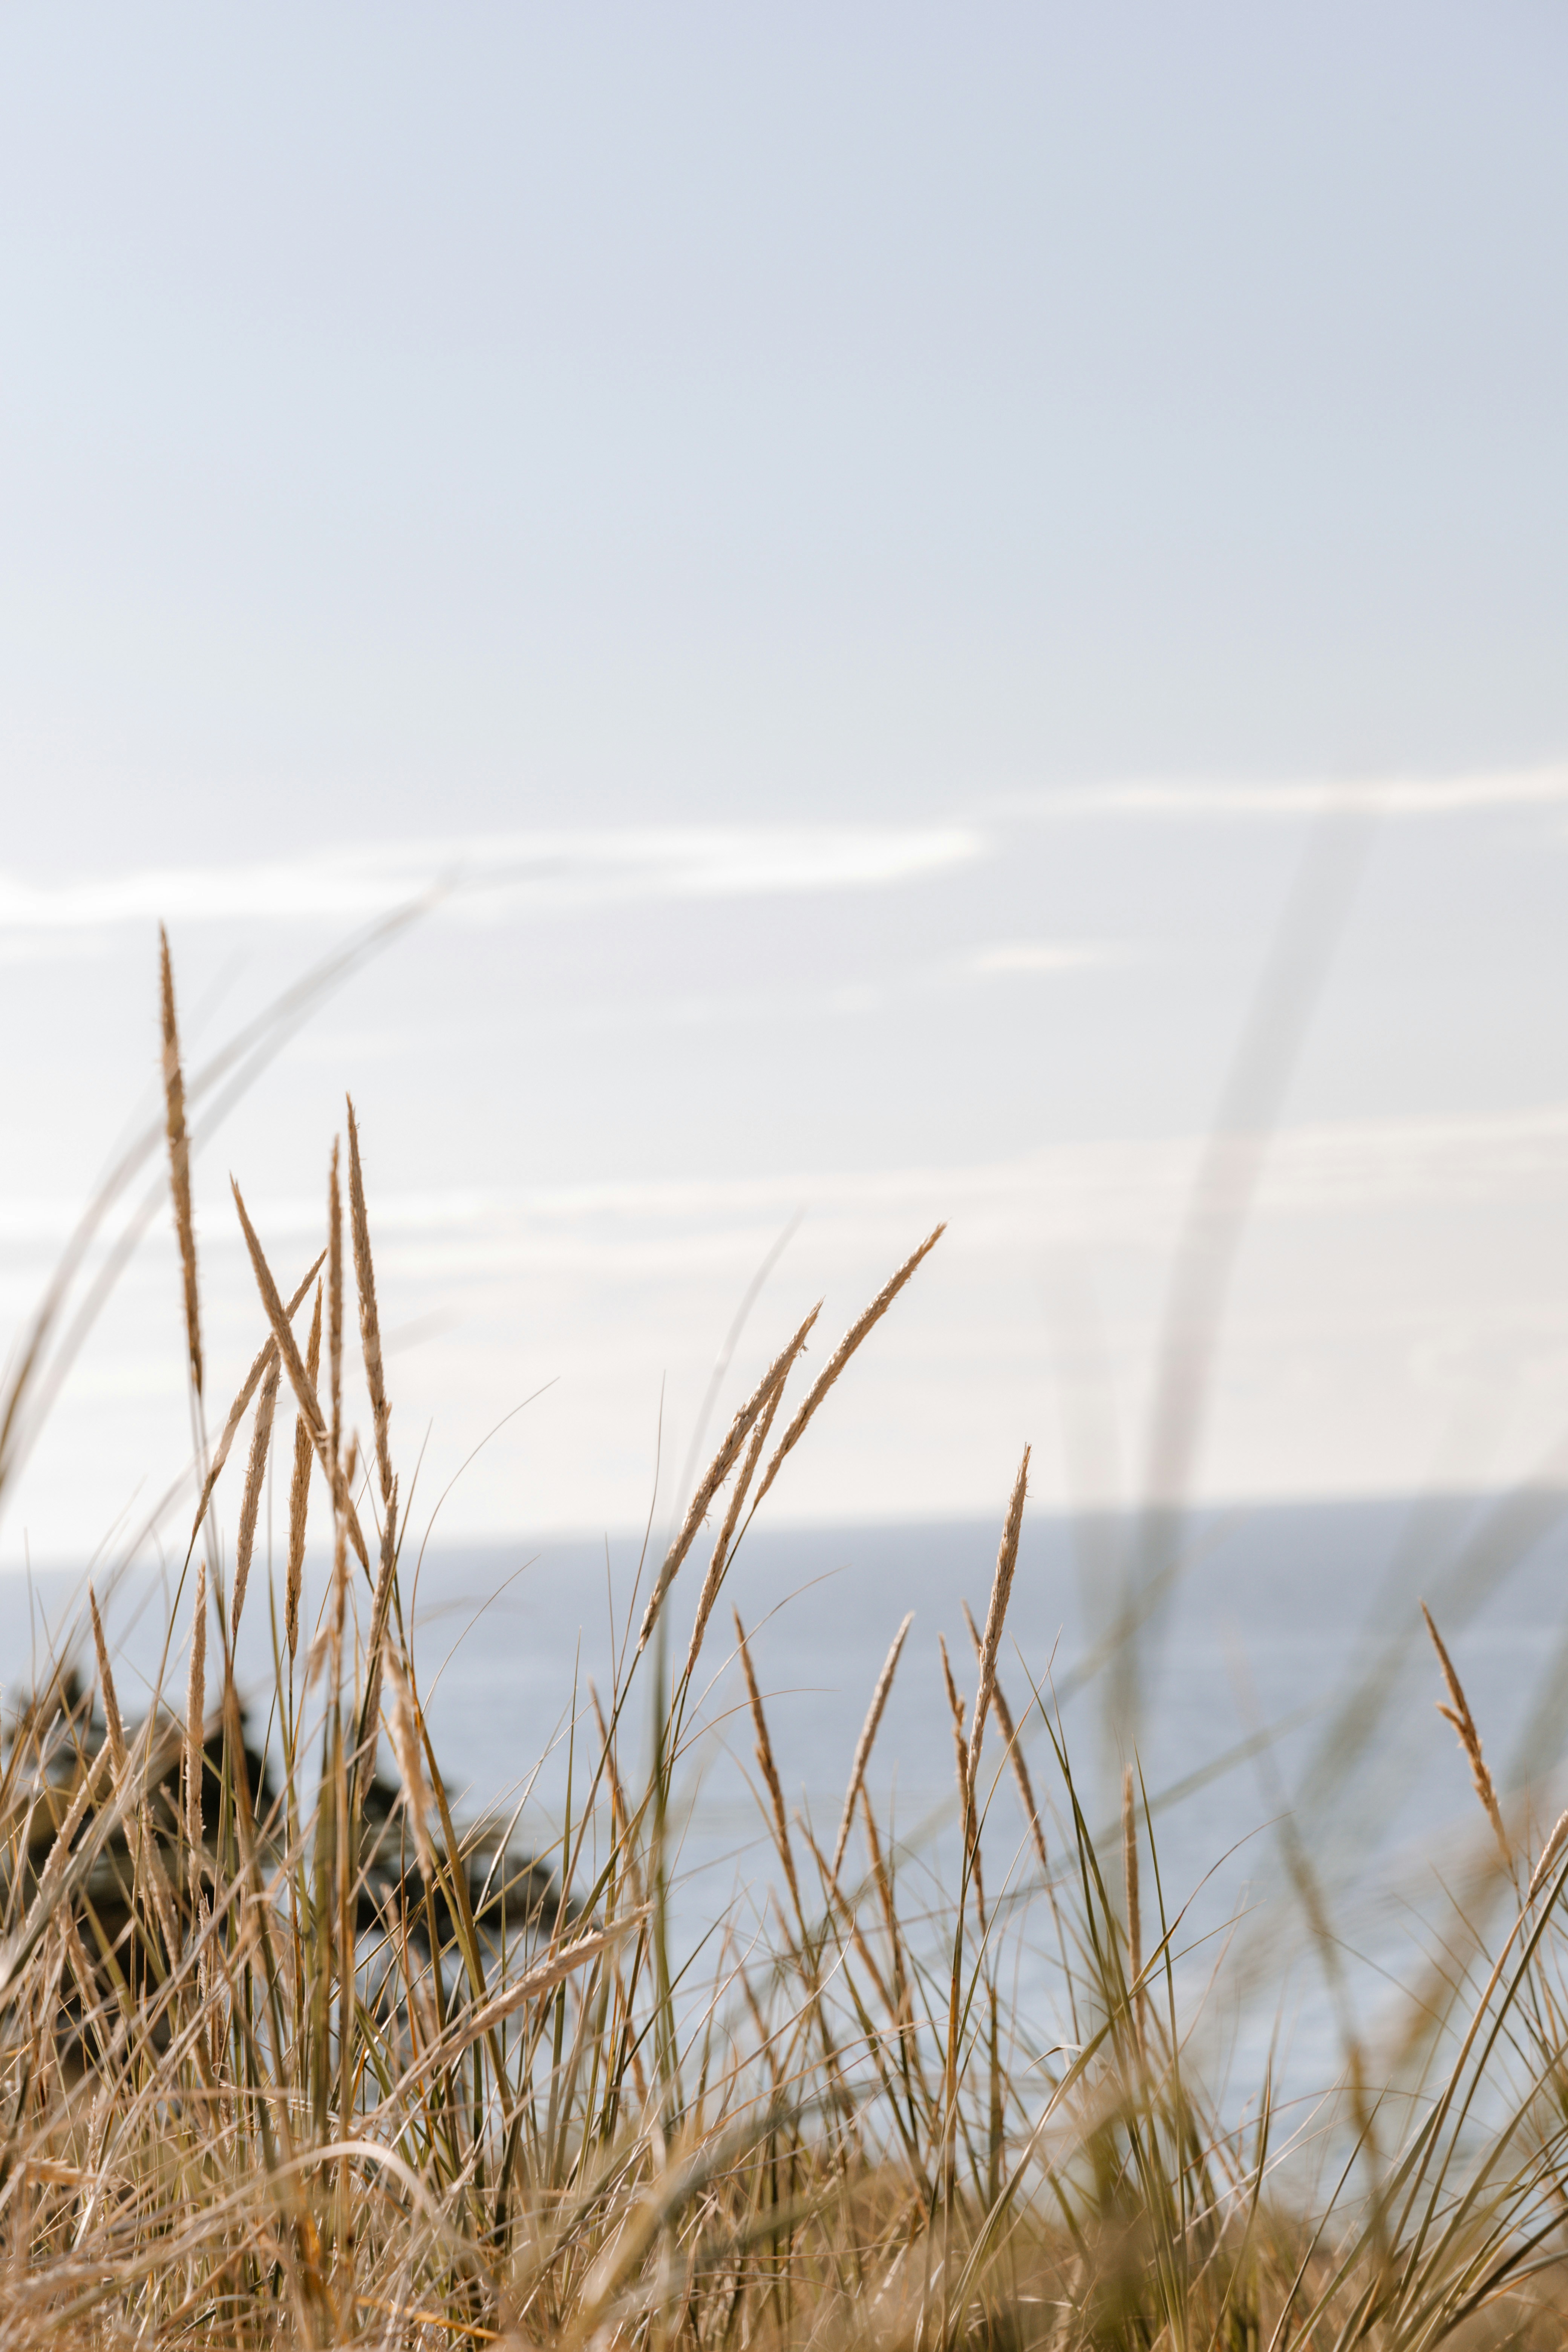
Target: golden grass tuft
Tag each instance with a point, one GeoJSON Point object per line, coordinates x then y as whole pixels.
{"type": "Point", "coordinates": [288, 2056]}
{"type": "Point", "coordinates": [863, 1745]}
{"type": "Point", "coordinates": [1458, 1714]}
{"type": "Point", "coordinates": [299, 1487]}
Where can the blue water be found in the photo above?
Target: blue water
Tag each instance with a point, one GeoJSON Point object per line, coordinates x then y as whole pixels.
{"type": "Point", "coordinates": [1272, 1620]}
{"type": "Point", "coordinates": [1265, 1622]}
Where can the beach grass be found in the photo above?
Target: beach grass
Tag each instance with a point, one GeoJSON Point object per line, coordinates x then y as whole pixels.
{"type": "Point", "coordinates": [290, 2054]}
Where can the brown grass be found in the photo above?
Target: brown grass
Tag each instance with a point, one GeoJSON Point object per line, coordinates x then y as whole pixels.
{"type": "Point", "coordinates": [863, 1745]}
{"type": "Point", "coordinates": [1458, 1714]}
{"type": "Point", "coordinates": [288, 2056]}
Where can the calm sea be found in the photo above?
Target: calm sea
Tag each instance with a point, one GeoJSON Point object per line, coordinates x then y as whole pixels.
{"type": "Point", "coordinates": [1282, 1675]}
{"type": "Point", "coordinates": [1277, 1669]}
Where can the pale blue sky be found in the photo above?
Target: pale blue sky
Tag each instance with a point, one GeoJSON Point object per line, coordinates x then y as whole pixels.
{"type": "Point", "coordinates": [808, 465]}
{"type": "Point", "coordinates": [585, 411]}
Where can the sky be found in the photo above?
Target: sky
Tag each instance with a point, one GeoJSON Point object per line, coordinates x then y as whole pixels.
{"type": "Point", "coordinates": [955, 602]}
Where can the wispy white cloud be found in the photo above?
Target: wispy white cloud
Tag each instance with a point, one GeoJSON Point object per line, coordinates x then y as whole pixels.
{"type": "Point", "coordinates": [1384, 1299]}
{"type": "Point", "coordinates": [792, 1002]}
{"type": "Point", "coordinates": [488, 872]}
{"type": "Point", "coordinates": [1120, 1189]}
{"type": "Point", "coordinates": [1024, 956]}
{"type": "Point", "coordinates": [1374, 796]}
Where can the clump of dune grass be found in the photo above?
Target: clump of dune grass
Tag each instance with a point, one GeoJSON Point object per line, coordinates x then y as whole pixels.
{"type": "Point", "coordinates": [288, 2056]}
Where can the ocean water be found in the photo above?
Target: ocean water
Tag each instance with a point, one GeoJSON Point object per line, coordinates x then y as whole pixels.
{"type": "Point", "coordinates": [1277, 1674]}
{"type": "Point", "coordinates": [1283, 1679]}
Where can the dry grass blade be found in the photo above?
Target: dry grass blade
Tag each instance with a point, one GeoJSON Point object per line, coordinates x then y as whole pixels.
{"type": "Point", "coordinates": [335, 1320]}
{"type": "Point", "coordinates": [180, 1160]}
{"type": "Point", "coordinates": [718, 1470]}
{"type": "Point", "coordinates": [543, 1977]}
{"type": "Point", "coordinates": [376, 1642]}
{"type": "Point", "coordinates": [369, 1319]}
{"type": "Point", "coordinates": [840, 1357]}
{"type": "Point", "coordinates": [338, 1615]}
{"type": "Point", "coordinates": [41, 1363]}
{"type": "Point", "coordinates": [769, 1770]}
{"type": "Point", "coordinates": [719, 1560]}
{"type": "Point", "coordinates": [304, 1389]}
{"type": "Point", "coordinates": [256, 1471]}
{"type": "Point", "coordinates": [1001, 1592]}
{"type": "Point", "coordinates": [863, 1745]}
{"type": "Point", "coordinates": [955, 1709]}
{"type": "Point", "coordinates": [883, 1883]}
{"type": "Point", "coordinates": [299, 1489]}
{"type": "Point", "coordinates": [113, 1724]}
{"type": "Point", "coordinates": [264, 1355]}
{"type": "Point", "coordinates": [1129, 1883]}
{"type": "Point", "coordinates": [1470, 1739]}
{"type": "Point", "coordinates": [119, 1762]}
{"type": "Point", "coordinates": [1550, 1853]}
{"type": "Point", "coordinates": [68, 1863]}
{"type": "Point", "coordinates": [403, 1733]}
{"type": "Point", "coordinates": [196, 1723]}
{"type": "Point", "coordinates": [1015, 1751]}
{"type": "Point", "coordinates": [965, 1785]}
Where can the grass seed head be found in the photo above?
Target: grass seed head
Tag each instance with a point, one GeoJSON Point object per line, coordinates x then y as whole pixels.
{"type": "Point", "coordinates": [179, 1162]}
